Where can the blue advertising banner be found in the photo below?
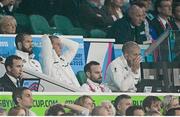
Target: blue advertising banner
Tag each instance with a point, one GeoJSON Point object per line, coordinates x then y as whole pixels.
{"type": "Point", "coordinates": [7, 47]}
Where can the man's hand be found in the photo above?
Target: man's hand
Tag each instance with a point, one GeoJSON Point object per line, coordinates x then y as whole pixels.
{"type": "Point", "coordinates": [136, 64]}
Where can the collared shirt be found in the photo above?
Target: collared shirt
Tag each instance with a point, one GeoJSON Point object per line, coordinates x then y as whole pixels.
{"type": "Point", "coordinates": [163, 21]}
{"type": "Point", "coordinates": [1, 4]}
{"type": "Point", "coordinates": [91, 86]}
{"type": "Point", "coordinates": [120, 76]}
{"type": "Point", "coordinates": [14, 80]}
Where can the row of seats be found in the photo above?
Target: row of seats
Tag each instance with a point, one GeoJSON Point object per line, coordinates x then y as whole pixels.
{"type": "Point", "coordinates": [37, 24]}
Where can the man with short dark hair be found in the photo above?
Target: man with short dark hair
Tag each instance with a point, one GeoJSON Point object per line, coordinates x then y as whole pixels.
{"type": "Point", "coordinates": [11, 79]}
{"type": "Point", "coordinates": [151, 103]}
{"type": "Point", "coordinates": [121, 103]}
{"type": "Point", "coordinates": [22, 97]}
{"type": "Point", "coordinates": [160, 24]}
{"type": "Point", "coordinates": [123, 73]}
{"type": "Point", "coordinates": [94, 78]}
{"type": "Point", "coordinates": [135, 111]}
{"type": "Point", "coordinates": [24, 50]}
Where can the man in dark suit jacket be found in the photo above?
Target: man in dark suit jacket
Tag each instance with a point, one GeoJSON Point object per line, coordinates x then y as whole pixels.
{"type": "Point", "coordinates": [129, 28]}
{"type": "Point", "coordinates": [92, 17]}
{"type": "Point", "coordinates": [11, 78]}
{"type": "Point", "coordinates": [162, 22]}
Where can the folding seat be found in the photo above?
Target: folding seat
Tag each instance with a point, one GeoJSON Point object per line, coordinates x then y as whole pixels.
{"type": "Point", "coordinates": [40, 25]}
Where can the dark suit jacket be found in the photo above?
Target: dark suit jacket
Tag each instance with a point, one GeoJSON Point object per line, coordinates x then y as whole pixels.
{"type": "Point", "coordinates": [91, 17]}
{"type": "Point", "coordinates": [159, 29]}
{"type": "Point", "coordinates": [122, 31]}
{"type": "Point", "coordinates": [6, 83]}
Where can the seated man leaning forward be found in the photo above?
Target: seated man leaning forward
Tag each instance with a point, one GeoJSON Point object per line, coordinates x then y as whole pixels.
{"type": "Point", "coordinates": [124, 72]}
{"type": "Point", "coordinates": [57, 64]}
{"type": "Point", "coordinates": [94, 78]}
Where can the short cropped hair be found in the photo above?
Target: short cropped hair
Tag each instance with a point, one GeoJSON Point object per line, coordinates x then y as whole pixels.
{"type": "Point", "coordinates": [147, 102]}
{"type": "Point", "coordinates": [130, 110]}
{"type": "Point", "coordinates": [20, 37]}
{"type": "Point", "coordinates": [80, 101]}
{"type": "Point", "coordinates": [96, 111]}
{"type": "Point", "coordinates": [54, 109]}
{"type": "Point", "coordinates": [128, 46]}
{"type": "Point", "coordinates": [87, 67]}
{"type": "Point", "coordinates": [119, 98]}
{"type": "Point", "coordinates": [9, 60]}
{"type": "Point", "coordinates": [158, 4]}
{"type": "Point", "coordinates": [17, 93]}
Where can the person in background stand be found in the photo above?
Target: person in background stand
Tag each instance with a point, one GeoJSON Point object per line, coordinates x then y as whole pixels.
{"type": "Point", "coordinates": [113, 9]}
{"type": "Point", "coordinates": [121, 103]}
{"type": "Point", "coordinates": [8, 25]}
{"type": "Point", "coordinates": [123, 73]}
{"type": "Point", "coordinates": [176, 14]}
{"type": "Point", "coordinates": [11, 78]}
{"type": "Point", "coordinates": [131, 21]}
{"type": "Point", "coordinates": [22, 97]}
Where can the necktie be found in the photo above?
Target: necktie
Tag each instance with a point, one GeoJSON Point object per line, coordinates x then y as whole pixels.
{"type": "Point", "coordinates": [18, 83]}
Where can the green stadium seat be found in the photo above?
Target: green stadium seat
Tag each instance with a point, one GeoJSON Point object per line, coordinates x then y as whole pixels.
{"type": "Point", "coordinates": [65, 25]}
{"type": "Point", "coordinates": [23, 23]}
{"type": "Point", "coordinates": [97, 33]}
{"type": "Point", "coordinates": [81, 76]}
{"type": "Point", "coordinates": [40, 25]}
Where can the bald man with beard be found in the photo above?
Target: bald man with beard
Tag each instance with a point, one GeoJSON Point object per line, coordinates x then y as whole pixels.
{"type": "Point", "coordinates": [127, 28]}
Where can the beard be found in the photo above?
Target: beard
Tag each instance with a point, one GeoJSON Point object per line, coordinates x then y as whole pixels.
{"type": "Point", "coordinates": [27, 50]}
{"type": "Point", "coordinates": [99, 80]}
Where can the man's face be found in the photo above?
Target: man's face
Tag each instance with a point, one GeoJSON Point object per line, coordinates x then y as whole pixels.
{"type": "Point", "coordinates": [16, 69]}
{"type": "Point", "coordinates": [95, 73]}
{"type": "Point", "coordinates": [137, 17]}
{"type": "Point", "coordinates": [156, 106]}
{"type": "Point", "coordinates": [9, 27]}
{"type": "Point", "coordinates": [27, 44]}
{"type": "Point", "coordinates": [177, 13]}
{"type": "Point", "coordinates": [174, 103]}
{"type": "Point", "coordinates": [26, 100]}
{"type": "Point", "coordinates": [123, 105]}
{"type": "Point", "coordinates": [109, 108]}
{"type": "Point", "coordinates": [139, 112]}
{"type": "Point", "coordinates": [56, 46]}
{"type": "Point", "coordinates": [165, 8]}
{"type": "Point", "coordinates": [132, 55]}
{"type": "Point", "coordinates": [88, 103]}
